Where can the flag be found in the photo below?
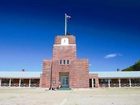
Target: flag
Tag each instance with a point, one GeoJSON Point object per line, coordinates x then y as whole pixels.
{"type": "Point", "coordinates": [67, 16]}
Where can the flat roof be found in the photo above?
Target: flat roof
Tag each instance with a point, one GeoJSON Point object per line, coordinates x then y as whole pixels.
{"type": "Point", "coordinates": [19, 74]}
{"type": "Point", "coordinates": [36, 74]}
{"type": "Point", "coordinates": [118, 74]}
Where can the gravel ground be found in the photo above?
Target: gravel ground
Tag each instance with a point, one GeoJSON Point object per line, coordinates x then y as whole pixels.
{"type": "Point", "coordinates": [100, 96]}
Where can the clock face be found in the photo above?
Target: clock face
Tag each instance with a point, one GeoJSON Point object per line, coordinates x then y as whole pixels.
{"type": "Point", "coordinates": [64, 41]}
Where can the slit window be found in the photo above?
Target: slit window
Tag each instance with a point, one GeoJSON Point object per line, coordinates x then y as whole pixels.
{"type": "Point", "coordinates": [64, 62]}
{"type": "Point", "coordinates": [68, 62]}
{"type": "Point", "coordinates": [60, 62]}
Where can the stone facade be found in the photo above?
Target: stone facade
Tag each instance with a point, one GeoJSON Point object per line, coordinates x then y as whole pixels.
{"type": "Point", "coordinates": [65, 69]}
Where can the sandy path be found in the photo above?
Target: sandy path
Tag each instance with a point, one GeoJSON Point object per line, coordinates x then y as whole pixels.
{"type": "Point", "coordinates": [28, 96]}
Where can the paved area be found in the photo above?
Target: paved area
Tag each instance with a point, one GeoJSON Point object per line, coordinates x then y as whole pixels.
{"type": "Point", "coordinates": [37, 96]}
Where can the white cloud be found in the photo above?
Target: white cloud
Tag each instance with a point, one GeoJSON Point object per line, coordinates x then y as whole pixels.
{"type": "Point", "coordinates": [113, 55]}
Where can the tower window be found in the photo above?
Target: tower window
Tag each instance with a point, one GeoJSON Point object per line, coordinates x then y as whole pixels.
{"type": "Point", "coordinates": [64, 62]}
{"type": "Point", "coordinates": [60, 62]}
{"type": "Point", "coordinates": [68, 62]}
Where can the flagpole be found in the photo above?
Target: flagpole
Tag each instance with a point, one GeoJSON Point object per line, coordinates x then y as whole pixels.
{"type": "Point", "coordinates": [65, 24]}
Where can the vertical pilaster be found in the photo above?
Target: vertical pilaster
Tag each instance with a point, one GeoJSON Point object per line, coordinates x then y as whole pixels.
{"type": "Point", "coordinates": [92, 85]}
{"type": "Point", "coordinates": [119, 82]}
{"type": "Point", "coordinates": [29, 82]}
{"type": "Point", "coordinates": [10, 82]}
{"type": "Point", "coordinates": [130, 82]}
{"type": "Point", "coordinates": [19, 82]}
{"type": "Point", "coordinates": [109, 83]}
{"type": "Point", "coordinates": [96, 82]}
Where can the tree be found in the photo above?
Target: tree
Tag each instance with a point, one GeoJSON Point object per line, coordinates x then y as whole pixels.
{"type": "Point", "coordinates": [135, 67]}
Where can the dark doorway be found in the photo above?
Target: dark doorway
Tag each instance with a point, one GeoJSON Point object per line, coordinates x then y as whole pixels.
{"type": "Point", "coordinates": [64, 79]}
{"type": "Point", "coordinates": [90, 83]}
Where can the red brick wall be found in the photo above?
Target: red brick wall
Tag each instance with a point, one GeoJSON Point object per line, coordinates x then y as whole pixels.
{"type": "Point", "coordinates": [80, 74]}
{"type": "Point", "coordinates": [64, 52]}
{"type": "Point", "coordinates": [46, 73]}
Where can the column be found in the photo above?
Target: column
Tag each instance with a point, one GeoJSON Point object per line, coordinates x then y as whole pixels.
{"type": "Point", "coordinates": [119, 82]}
{"type": "Point", "coordinates": [92, 85]}
{"type": "Point", "coordinates": [0, 82]}
{"type": "Point", "coordinates": [19, 85]}
{"type": "Point", "coordinates": [130, 82]}
{"type": "Point", "coordinates": [96, 82]}
{"type": "Point", "coordinates": [109, 83]}
{"type": "Point", "coordinates": [29, 82]}
{"type": "Point", "coordinates": [10, 82]}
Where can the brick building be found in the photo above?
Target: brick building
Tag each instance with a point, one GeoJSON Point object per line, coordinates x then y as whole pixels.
{"type": "Point", "coordinates": [65, 69]}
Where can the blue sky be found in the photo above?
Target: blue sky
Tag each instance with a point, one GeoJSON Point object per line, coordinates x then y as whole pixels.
{"type": "Point", "coordinates": [107, 32]}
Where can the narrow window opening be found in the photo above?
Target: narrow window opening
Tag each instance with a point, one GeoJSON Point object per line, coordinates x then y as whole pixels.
{"type": "Point", "coordinates": [60, 62]}
{"type": "Point", "coordinates": [64, 62]}
{"type": "Point", "coordinates": [68, 62]}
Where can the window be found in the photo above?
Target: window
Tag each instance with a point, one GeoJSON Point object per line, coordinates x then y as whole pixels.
{"type": "Point", "coordinates": [60, 62]}
{"type": "Point", "coordinates": [64, 62]}
{"type": "Point", "coordinates": [68, 62]}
